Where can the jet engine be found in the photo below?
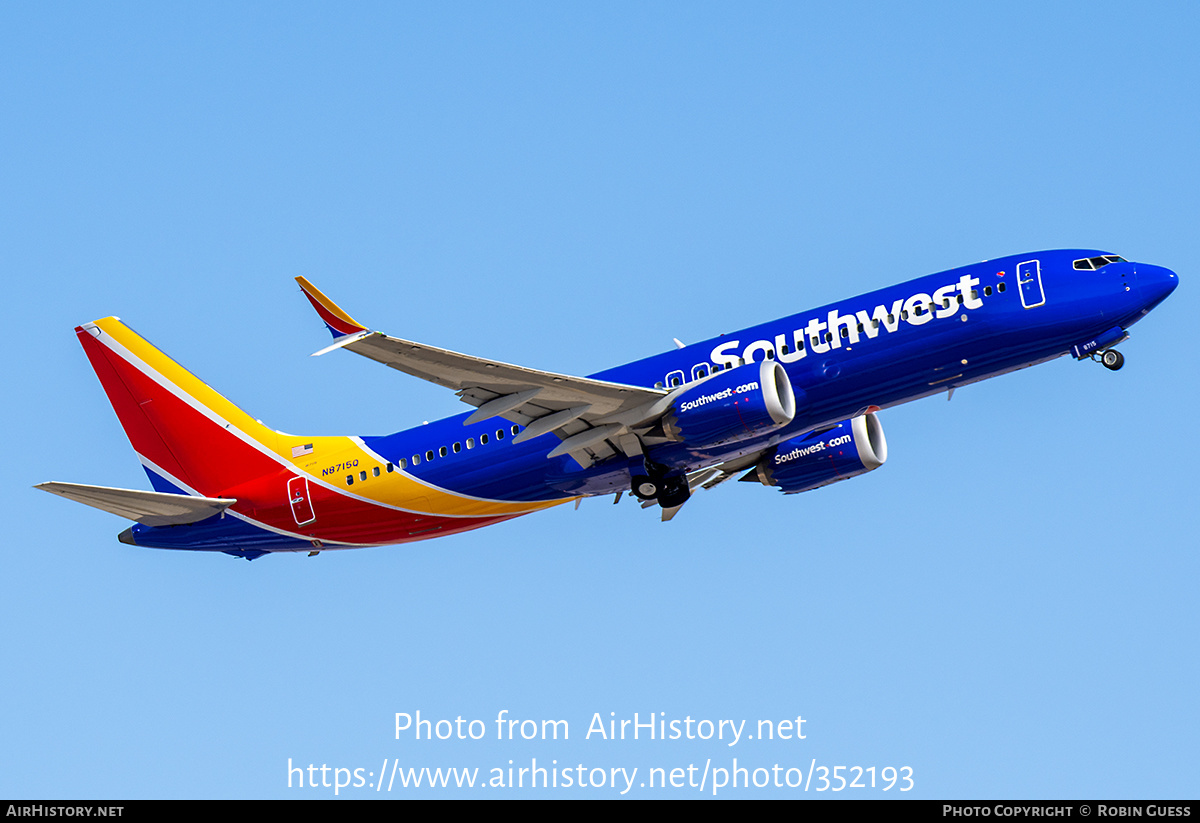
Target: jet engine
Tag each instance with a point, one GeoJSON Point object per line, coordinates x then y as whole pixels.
{"type": "Point", "coordinates": [825, 456]}
{"type": "Point", "coordinates": [732, 405]}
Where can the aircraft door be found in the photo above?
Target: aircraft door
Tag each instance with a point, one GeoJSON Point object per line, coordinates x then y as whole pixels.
{"type": "Point", "coordinates": [1029, 282]}
{"type": "Point", "coordinates": [302, 509]}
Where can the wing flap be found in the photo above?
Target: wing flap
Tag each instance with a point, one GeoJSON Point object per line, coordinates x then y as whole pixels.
{"type": "Point", "coordinates": [716, 475]}
{"type": "Point", "coordinates": [147, 508]}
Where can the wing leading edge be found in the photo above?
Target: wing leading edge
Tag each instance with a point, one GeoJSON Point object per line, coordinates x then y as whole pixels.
{"type": "Point", "coordinates": [588, 415]}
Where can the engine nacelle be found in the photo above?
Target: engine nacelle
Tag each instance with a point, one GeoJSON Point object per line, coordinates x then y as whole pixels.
{"type": "Point", "coordinates": [732, 405]}
{"type": "Point", "coordinates": [850, 448]}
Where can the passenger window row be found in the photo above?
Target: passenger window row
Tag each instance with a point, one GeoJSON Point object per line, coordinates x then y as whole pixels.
{"type": "Point", "coordinates": [433, 454]}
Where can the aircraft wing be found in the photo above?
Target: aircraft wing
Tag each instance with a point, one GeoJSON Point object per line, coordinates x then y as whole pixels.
{"type": "Point", "coordinates": [583, 412]}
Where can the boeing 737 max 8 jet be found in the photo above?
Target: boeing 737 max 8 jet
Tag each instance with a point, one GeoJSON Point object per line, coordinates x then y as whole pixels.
{"type": "Point", "coordinates": [791, 403]}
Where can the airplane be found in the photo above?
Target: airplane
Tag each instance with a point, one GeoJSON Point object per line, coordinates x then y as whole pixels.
{"type": "Point", "coordinates": [792, 403]}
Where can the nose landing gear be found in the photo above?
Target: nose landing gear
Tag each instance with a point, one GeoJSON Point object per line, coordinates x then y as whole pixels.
{"type": "Point", "coordinates": [1111, 359]}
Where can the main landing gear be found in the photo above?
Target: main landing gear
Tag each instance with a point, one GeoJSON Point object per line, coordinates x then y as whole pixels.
{"type": "Point", "coordinates": [644, 487]}
{"type": "Point", "coordinates": [668, 490]}
{"type": "Point", "coordinates": [1111, 359]}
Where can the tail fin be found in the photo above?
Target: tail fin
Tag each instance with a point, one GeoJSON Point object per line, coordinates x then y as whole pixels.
{"type": "Point", "coordinates": [189, 438]}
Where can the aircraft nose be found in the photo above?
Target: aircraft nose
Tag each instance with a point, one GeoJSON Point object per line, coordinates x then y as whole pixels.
{"type": "Point", "coordinates": [1155, 283]}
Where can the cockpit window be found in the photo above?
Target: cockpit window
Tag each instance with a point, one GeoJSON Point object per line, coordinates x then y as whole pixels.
{"type": "Point", "coordinates": [1093, 263]}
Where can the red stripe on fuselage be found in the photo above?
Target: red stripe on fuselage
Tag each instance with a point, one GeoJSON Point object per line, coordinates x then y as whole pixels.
{"type": "Point", "coordinates": [216, 462]}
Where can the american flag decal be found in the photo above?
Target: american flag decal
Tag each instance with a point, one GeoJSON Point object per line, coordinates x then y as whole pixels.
{"type": "Point", "coordinates": [300, 451]}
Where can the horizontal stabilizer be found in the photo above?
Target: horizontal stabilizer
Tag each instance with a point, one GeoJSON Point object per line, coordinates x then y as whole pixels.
{"type": "Point", "coordinates": [147, 508]}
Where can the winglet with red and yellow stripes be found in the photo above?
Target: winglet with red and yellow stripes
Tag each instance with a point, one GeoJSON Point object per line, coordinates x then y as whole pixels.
{"type": "Point", "coordinates": [343, 327]}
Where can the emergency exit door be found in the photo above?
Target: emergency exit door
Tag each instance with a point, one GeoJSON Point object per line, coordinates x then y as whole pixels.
{"type": "Point", "coordinates": [302, 509]}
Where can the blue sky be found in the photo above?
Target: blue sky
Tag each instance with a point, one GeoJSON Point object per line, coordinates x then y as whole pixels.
{"type": "Point", "coordinates": [1007, 607]}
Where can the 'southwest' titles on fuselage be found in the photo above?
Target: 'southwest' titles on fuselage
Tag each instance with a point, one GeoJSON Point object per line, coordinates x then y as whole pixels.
{"type": "Point", "coordinates": [822, 336]}
{"type": "Point", "coordinates": [791, 403]}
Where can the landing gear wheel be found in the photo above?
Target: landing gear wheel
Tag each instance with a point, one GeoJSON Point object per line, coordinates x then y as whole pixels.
{"type": "Point", "coordinates": [1112, 359]}
{"type": "Point", "coordinates": [675, 492]}
{"type": "Point", "coordinates": [644, 488]}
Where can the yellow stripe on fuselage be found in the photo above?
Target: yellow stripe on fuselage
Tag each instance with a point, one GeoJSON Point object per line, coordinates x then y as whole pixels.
{"type": "Point", "coordinates": [395, 488]}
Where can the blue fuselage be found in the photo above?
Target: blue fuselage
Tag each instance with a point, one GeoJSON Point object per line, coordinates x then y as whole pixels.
{"type": "Point", "coordinates": [880, 349]}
